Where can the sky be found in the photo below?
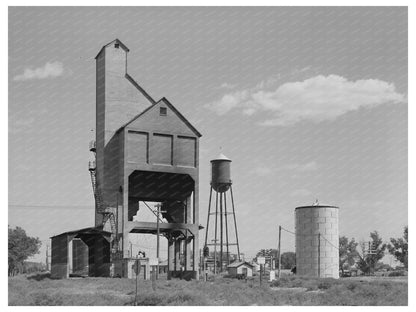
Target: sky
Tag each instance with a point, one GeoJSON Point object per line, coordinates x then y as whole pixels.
{"type": "Point", "coordinates": [308, 102]}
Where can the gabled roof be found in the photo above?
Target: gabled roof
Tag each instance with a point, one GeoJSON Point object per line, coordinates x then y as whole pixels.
{"type": "Point", "coordinates": [181, 116]}
{"type": "Point", "coordinates": [89, 230]}
{"type": "Point", "coordinates": [170, 105]}
{"type": "Point", "coordinates": [239, 263]}
{"type": "Point", "coordinates": [122, 45]}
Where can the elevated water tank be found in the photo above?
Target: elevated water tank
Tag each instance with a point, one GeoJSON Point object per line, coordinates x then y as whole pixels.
{"type": "Point", "coordinates": [317, 241]}
{"type": "Point", "coordinates": [221, 173]}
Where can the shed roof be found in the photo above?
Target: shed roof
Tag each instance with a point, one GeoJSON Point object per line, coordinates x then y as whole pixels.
{"type": "Point", "coordinates": [239, 263]}
{"type": "Point", "coordinates": [89, 230]}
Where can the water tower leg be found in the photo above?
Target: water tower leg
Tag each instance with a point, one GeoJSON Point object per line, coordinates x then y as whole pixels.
{"type": "Point", "coordinates": [235, 223]}
{"type": "Point", "coordinates": [209, 212]}
{"type": "Point", "coordinates": [215, 236]}
{"type": "Point", "coordinates": [226, 229]}
{"type": "Point", "coordinates": [221, 236]}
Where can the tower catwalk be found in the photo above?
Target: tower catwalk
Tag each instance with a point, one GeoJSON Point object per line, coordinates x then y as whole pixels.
{"type": "Point", "coordinates": [222, 185]}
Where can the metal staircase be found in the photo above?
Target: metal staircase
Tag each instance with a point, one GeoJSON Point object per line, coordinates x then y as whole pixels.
{"type": "Point", "coordinates": [108, 213]}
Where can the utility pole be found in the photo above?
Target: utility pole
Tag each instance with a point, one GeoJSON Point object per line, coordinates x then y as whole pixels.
{"type": "Point", "coordinates": [158, 206]}
{"type": "Point", "coordinates": [157, 242]}
{"type": "Point", "coordinates": [319, 254]}
{"type": "Point", "coordinates": [278, 250]}
{"type": "Point", "coordinates": [137, 267]}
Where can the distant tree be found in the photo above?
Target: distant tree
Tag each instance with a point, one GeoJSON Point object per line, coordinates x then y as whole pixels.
{"type": "Point", "coordinates": [266, 253]}
{"type": "Point", "coordinates": [21, 247]}
{"type": "Point", "coordinates": [288, 260]}
{"type": "Point", "coordinates": [399, 248]}
{"type": "Point", "coordinates": [31, 267]}
{"type": "Point", "coordinates": [368, 260]}
{"type": "Point", "coordinates": [347, 253]}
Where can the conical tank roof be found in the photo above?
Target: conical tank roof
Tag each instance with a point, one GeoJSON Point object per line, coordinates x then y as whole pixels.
{"type": "Point", "coordinates": [221, 157]}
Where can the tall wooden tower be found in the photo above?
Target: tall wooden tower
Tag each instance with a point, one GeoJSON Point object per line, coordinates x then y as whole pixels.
{"type": "Point", "coordinates": [146, 151]}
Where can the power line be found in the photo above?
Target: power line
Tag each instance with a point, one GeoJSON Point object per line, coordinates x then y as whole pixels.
{"type": "Point", "coordinates": [329, 242]}
{"type": "Point", "coordinates": [287, 230]}
{"type": "Point", "coordinates": [81, 207]}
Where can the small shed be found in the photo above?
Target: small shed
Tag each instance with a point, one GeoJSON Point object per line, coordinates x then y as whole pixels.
{"type": "Point", "coordinates": [240, 269]}
{"type": "Point", "coordinates": [84, 252]}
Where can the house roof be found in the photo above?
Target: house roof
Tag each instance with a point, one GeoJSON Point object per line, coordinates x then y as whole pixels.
{"type": "Point", "coordinates": [170, 105]}
{"type": "Point", "coordinates": [239, 263]}
{"type": "Point", "coordinates": [89, 230]}
{"type": "Point", "coordinates": [122, 45]}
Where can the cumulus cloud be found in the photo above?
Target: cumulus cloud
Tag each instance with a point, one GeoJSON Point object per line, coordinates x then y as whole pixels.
{"type": "Point", "coordinates": [316, 99]}
{"type": "Point", "coordinates": [263, 171]}
{"type": "Point", "coordinates": [53, 69]}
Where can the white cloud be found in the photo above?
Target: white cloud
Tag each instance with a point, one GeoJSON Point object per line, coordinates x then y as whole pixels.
{"type": "Point", "coordinates": [54, 69]}
{"type": "Point", "coordinates": [316, 99]}
{"type": "Point", "coordinates": [230, 101]}
{"type": "Point", "coordinates": [263, 171]}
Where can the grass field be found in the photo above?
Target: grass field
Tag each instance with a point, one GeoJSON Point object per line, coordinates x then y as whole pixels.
{"type": "Point", "coordinates": [40, 290]}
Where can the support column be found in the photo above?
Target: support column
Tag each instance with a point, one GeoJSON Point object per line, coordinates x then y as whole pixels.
{"type": "Point", "coordinates": [177, 255]}
{"type": "Point", "coordinates": [124, 218]}
{"type": "Point", "coordinates": [195, 209]}
{"type": "Point", "coordinates": [195, 246]}
{"type": "Point", "coordinates": [70, 258]}
{"type": "Point", "coordinates": [171, 256]}
{"type": "Point", "coordinates": [188, 254]}
{"type": "Point", "coordinates": [189, 213]}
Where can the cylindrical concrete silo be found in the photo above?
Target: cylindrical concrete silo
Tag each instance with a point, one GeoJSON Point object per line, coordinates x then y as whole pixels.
{"type": "Point", "coordinates": [317, 241]}
{"type": "Point", "coordinates": [221, 173]}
